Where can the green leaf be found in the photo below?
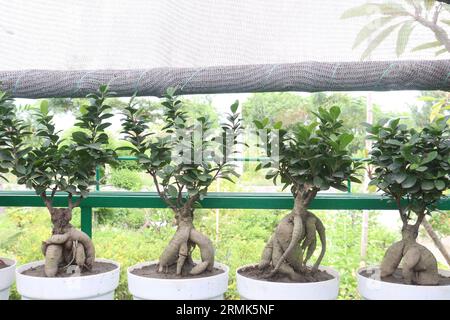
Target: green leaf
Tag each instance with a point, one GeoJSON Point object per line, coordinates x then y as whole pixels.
{"type": "Point", "coordinates": [400, 177]}
{"type": "Point", "coordinates": [394, 142]}
{"type": "Point", "coordinates": [439, 184]}
{"type": "Point", "coordinates": [377, 40]}
{"type": "Point", "coordinates": [409, 182]}
{"type": "Point", "coordinates": [84, 109]}
{"type": "Point", "coordinates": [345, 139]}
{"type": "Point", "coordinates": [429, 157]}
{"type": "Point", "coordinates": [427, 45]}
{"type": "Point", "coordinates": [258, 124]}
{"type": "Point", "coordinates": [335, 111]}
{"type": "Point", "coordinates": [5, 156]}
{"type": "Point", "coordinates": [278, 125]}
{"type": "Point", "coordinates": [44, 107]}
{"type": "Point", "coordinates": [234, 106]}
{"type": "Point", "coordinates": [403, 37]}
{"type": "Point", "coordinates": [318, 181]}
{"type": "Point", "coordinates": [427, 185]}
{"type": "Point", "coordinates": [172, 191]}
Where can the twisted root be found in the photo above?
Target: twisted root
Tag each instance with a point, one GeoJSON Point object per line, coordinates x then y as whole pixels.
{"type": "Point", "coordinates": [419, 266]}
{"type": "Point", "coordinates": [179, 251]}
{"type": "Point", "coordinates": [294, 235]}
{"type": "Point", "coordinates": [73, 246]}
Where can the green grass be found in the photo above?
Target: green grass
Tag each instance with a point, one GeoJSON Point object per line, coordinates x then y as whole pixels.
{"type": "Point", "coordinates": [242, 236]}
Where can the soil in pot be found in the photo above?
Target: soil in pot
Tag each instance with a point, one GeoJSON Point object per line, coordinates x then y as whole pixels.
{"type": "Point", "coordinates": [97, 268]}
{"type": "Point", "coordinates": [253, 272]}
{"type": "Point", "coordinates": [151, 271]}
{"type": "Point", "coordinates": [397, 277]}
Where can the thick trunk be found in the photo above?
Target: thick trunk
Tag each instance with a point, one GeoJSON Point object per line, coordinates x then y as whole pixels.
{"type": "Point", "coordinates": [294, 235]}
{"type": "Point", "coordinates": [67, 246]}
{"type": "Point", "coordinates": [179, 249]}
{"type": "Point", "coordinates": [419, 266]}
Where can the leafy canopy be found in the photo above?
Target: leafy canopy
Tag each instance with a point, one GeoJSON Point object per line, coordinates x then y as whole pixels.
{"type": "Point", "coordinates": [12, 134]}
{"type": "Point", "coordinates": [312, 156]}
{"type": "Point", "coordinates": [411, 164]}
{"type": "Point", "coordinates": [52, 164]}
{"type": "Point", "coordinates": [187, 155]}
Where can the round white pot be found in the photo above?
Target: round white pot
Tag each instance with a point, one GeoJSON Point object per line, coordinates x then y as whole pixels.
{"type": "Point", "coordinates": [252, 289]}
{"type": "Point", "coordinates": [93, 287]}
{"type": "Point", "coordinates": [207, 288]}
{"type": "Point", "coordinates": [7, 276]}
{"type": "Point", "coordinates": [374, 289]}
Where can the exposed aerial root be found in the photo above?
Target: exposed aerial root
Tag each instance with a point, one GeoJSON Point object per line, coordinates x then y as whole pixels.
{"type": "Point", "coordinates": [419, 266]}
{"type": "Point", "coordinates": [294, 235]}
{"type": "Point", "coordinates": [180, 247]}
{"type": "Point", "coordinates": [176, 250]}
{"type": "Point", "coordinates": [206, 252]}
{"type": "Point", "coordinates": [67, 245]}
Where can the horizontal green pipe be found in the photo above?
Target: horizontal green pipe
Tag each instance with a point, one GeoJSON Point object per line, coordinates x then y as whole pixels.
{"type": "Point", "coordinates": [131, 158]}
{"type": "Point", "coordinates": [217, 200]}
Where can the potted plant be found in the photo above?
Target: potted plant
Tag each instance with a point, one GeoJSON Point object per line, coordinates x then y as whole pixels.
{"type": "Point", "coordinates": [50, 165]}
{"type": "Point", "coordinates": [311, 157]}
{"type": "Point", "coordinates": [7, 266]}
{"type": "Point", "coordinates": [182, 160]}
{"type": "Point", "coordinates": [412, 168]}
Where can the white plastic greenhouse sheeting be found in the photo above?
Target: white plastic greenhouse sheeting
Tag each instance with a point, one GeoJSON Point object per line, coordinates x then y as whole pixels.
{"type": "Point", "coordinates": [117, 34]}
{"type": "Point", "coordinates": [67, 48]}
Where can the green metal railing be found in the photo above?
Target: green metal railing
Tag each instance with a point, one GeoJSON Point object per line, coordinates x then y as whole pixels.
{"type": "Point", "coordinates": [215, 200]}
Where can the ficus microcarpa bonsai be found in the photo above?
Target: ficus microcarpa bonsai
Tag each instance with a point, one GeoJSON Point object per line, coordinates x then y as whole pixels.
{"type": "Point", "coordinates": [412, 168]}
{"type": "Point", "coordinates": [311, 157]}
{"type": "Point", "coordinates": [183, 160]}
{"type": "Point", "coordinates": [53, 165]}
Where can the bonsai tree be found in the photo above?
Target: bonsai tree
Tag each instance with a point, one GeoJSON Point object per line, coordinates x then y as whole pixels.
{"type": "Point", "coordinates": [311, 157]}
{"type": "Point", "coordinates": [412, 168]}
{"type": "Point", "coordinates": [54, 165]}
{"type": "Point", "coordinates": [6, 120]}
{"type": "Point", "coordinates": [183, 160]}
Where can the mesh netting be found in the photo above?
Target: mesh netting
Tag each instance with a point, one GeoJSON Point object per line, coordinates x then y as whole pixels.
{"type": "Point", "coordinates": [221, 46]}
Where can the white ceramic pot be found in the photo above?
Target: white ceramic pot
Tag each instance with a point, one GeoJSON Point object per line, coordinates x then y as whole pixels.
{"type": "Point", "coordinates": [374, 289]}
{"type": "Point", "coordinates": [252, 289]}
{"type": "Point", "coordinates": [7, 276]}
{"type": "Point", "coordinates": [206, 288]}
{"type": "Point", "coordinates": [93, 287]}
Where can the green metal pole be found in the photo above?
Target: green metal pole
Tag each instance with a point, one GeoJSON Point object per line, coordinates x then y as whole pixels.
{"type": "Point", "coordinates": [349, 186]}
{"type": "Point", "coordinates": [97, 178]}
{"type": "Point", "coordinates": [86, 220]}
